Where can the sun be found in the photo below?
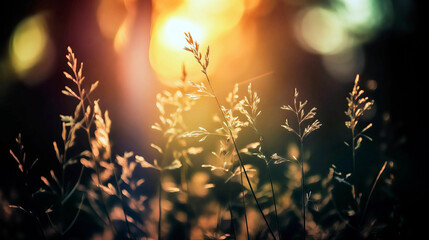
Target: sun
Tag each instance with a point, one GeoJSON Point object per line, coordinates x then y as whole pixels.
{"type": "Point", "coordinates": [174, 29]}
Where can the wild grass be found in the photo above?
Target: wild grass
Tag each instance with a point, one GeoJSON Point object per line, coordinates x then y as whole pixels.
{"type": "Point", "coordinates": [357, 106]}
{"type": "Point", "coordinates": [204, 191]}
{"type": "Point", "coordinates": [301, 117]}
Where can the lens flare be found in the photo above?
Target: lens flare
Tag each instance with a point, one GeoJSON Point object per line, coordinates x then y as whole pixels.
{"type": "Point", "coordinates": [344, 65]}
{"type": "Point", "coordinates": [364, 16]}
{"type": "Point", "coordinates": [28, 44]}
{"type": "Point", "coordinates": [30, 48]}
{"type": "Point", "coordinates": [320, 31]}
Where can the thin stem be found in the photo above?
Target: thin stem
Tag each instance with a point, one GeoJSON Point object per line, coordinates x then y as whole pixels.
{"type": "Point", "coordinates": [103, 199]}
{"type": "Point", "coordinates": [69, 194]}
{"type": "Point", "coordinates": [121, 198]}
{"type": "Point", "coordinates": [271, 183]}
{"type": "Point", "coordinates": [239, 158]}
{"type": "Point", "coordinates": [87, 130]}
{"type": "Point", "coordinates": [160, 206]}
{"type": "Point", "coordinates": [61, 210]}
{"type": "Point", "coordinates": [40, 227]}
{"type": "Point", "coordinates": [274, 200]}
{"type": "Point", "coordinates": [354, 176]}
{"type": "Point", "coordinates": [301, 160]}
{"type": "Point", "coordinates": [34, 217]}
{"type": "Point", "coordinates": [302, 186]}
{"type": "Point", "coordinates": [372, 189]}
{"type": "Point", "coordinates": [56, 230]}
{"type": "Point", "coordinates": [354, 163]}
{"type": "Point", "coordinates": [244, 204]}
{"type": "Point", "coordinates": [88, 122]}
{"type": "Point", "coordinates": [162, 163]}
{"type": "Point", "coordinates": [188, 221]}
{"type": "Point", "coordinates": [339, 213]}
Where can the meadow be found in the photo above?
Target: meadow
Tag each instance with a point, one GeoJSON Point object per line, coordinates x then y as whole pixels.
{"type": "Point", "coordinates": [232, 149]}
{"type": "Point", "coordinates": [211, 191]}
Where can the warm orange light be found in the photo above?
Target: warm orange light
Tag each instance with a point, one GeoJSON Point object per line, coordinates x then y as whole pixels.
{"type": "Point", "coordinates": [115, 18]}
{"type": "Point", "coordinates": [208, 21]}
{"type": "Point", "coordinates": [110, 16]}
{"type": "Point", "coordinates": [172, 32]}
{"type": "Point", "coordinates": [293, 150]}
{"type": "Point", "coordinates": [122, 35]}
{"type": "Point", "coordinates": [166, 54]}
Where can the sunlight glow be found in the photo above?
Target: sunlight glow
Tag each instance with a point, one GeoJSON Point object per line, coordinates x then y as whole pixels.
{"type": "Point", "coordinates": [166, 54]}
{"type": "Point", "coordinates": [208, 21]}
{"type": "Point", "coordinates": [172, 33]}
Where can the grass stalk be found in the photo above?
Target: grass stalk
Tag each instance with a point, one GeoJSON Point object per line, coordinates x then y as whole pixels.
{"type": "Point", "coordinates": [372, 189]}
{"type": "Point", "coordinates": [271, 184]}
{"type": "Point", "coordinates": [36, 219]}
{"type": "Point", "coordinates": [302, 187]}
{"type": "Point", "coordinates": [244, 204]}
{"type": "Point", "coordinates": [301, 134]}
{"type": "Point", "coordinates": [106, 211]}
{"type": "Point", "coordinates": [195, 51]}
{"type": "Point", "coordinates": [354, 176]}
{"type": "Point", "coordinates": [121, 198]}
{"type": "Point", "coordinates": [334, 203]}
{"type": "Point", "coordinates": [301, 161]}
{"type": "Point", "coordinates": [188, 196]}
{"type": "Point", "coordinates": [357, 106]}
{"type": "Point", "coordinates": [82, 97]}
{"type": "Point", "coordinates": [160, 204]}
{"type": "Point", "coordinates": [239, 157]}
{"type": "Point", "coordinates": [274, 200]}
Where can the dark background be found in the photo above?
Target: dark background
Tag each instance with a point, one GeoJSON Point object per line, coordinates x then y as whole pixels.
{"type": "Point", "coordinates": [396, 58]}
